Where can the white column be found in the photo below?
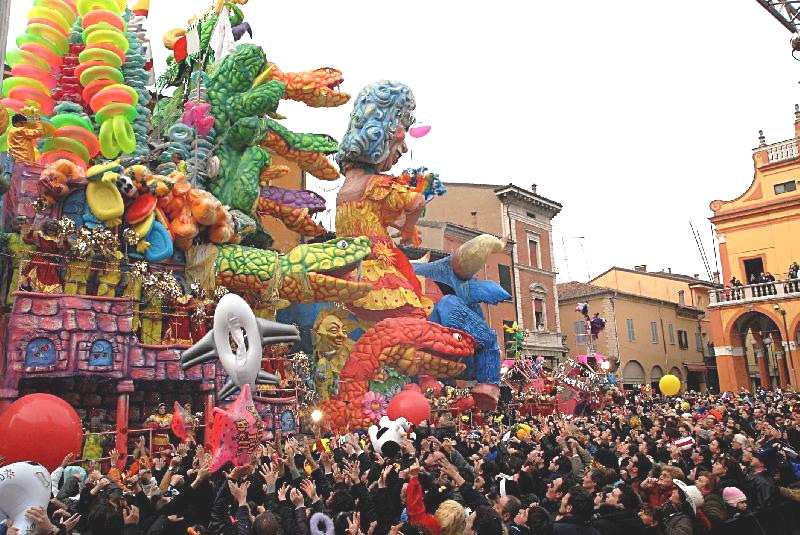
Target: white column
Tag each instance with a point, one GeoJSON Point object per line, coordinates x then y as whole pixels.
{"type": "Point", "coordinates": [5, 16]}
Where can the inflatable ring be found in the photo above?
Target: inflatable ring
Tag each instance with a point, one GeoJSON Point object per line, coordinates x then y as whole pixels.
{"type": "Point", "coordinates": [86, 137]}
{"type": "Point", "coordinates": [19, 81]}
{"type": "Point", "coordinates": [102, 55]}
{"type": "Point", "coordinates": [85, 6]}
{"type": "Point", "coordinates": [118, 93]}
{"type": "Point", "coordinates": [90, 90]}
{"type": "Point", "coordinates": [100, 72]}
{"type": "Point", "coordinates": [109, 36]}
{"type": "Point", "coordinates": [83, 66]}
{"type": "Point", "coordinates": [25, 94]}
{"type": "Point", "coordinates": [102, 25]}
{"type": "Point", "coordinates": [102, 15]}
{"type": "Point", "coordinates": [31, 71]}
{"type": "Point", "coordinates": [52, 59]}
{"type": "Point", "coordinates": [62, 7]}
{"type": "Point", "coordinates": [70, 145]}
{"type": "Point", "coordinates": [16, 57]}
{"type": "Point", "coordinates": [108, 147]}
{"type": "Point", "coordinates": [117, 108]}
{"type": "Point", "coordinates": [55, 40]}
{"type": "Point", "coordinates": [111, 48]}
{"type": "Point", "coordinates": [29, 39]}
{"type": "Point", "coordinates": [12, 104]}
{"type": "Point", "coordinates": [51, 156]}
{"type": "Point", "coordinates": [50, 23]}
{"type": "Point", "coordinates": [71, 119]}
{"type": "Point", "coordinates": [180, 133]}
{"type": "Point", "coordinates": [41, 12]}
{"type": "Point", "coordinates": [123, 134]}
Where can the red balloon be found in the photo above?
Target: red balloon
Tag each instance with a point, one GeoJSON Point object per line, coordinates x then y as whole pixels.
{"type": "Point", "coordinates": [40, 428]}
{"type": "Point", "coordinates": [411, 405]}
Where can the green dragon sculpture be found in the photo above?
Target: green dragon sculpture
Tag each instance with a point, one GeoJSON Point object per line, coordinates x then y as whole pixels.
{"type": "Point", "coordinates": [242, 92]}
{"type": "Point", "coordinates": [310, 272]}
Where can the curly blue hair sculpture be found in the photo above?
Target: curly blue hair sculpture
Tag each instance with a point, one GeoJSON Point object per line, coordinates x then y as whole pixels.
{"type": "Point", "coordinates": [378, 110]}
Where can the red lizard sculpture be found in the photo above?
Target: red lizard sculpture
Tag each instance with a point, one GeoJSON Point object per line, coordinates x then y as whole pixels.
{"type": "Point", "coordinates": [412, 345]}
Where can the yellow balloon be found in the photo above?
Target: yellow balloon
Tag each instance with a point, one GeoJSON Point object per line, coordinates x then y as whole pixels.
{"type": "Point", "coordinates": [669, 385]}
{"type": "Point", "coordinates": [685, 406]}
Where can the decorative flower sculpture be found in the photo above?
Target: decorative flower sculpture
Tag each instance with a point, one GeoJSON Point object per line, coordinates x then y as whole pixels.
{"type": "Point", "coordinates": [374, 405]}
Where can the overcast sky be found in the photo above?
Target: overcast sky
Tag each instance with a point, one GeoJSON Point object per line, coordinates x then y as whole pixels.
{"type": "Point", "coordinates": [634, 114]}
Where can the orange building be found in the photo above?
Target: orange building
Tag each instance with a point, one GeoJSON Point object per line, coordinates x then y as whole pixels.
{"type": "Point", "coordinates": [755, 319]}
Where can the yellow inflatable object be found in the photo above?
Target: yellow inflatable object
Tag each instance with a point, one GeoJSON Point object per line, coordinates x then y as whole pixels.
{"type": "Point", "coordinates": [104, 199]}
{"type": "Point", "coordinates": [142, 228]}
{"type": "Point", "coordinates": [669, 385]}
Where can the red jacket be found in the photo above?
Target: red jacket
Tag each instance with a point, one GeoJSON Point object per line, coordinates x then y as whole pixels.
{"type": "Point", "coordinates": [415, 506]}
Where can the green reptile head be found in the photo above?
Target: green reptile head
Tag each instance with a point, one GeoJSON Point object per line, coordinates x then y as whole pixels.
{"type": "Point", "coordinates": [335, 257]}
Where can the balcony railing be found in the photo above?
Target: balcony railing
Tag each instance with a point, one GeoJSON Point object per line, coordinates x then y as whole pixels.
{"type": "Point", "coordinates": [543, 339]}
{"type": "Point", "coordinates": [763, 291]}
{"type": "Point", "coordinates": [778, 152]}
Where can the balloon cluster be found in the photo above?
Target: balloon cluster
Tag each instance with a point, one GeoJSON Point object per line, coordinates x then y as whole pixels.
{"type": "Point", "coordinates": [100, 74]}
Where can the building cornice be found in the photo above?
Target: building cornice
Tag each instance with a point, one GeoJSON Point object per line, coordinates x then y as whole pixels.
{"type": "Point", "coordinates": [512, 193]}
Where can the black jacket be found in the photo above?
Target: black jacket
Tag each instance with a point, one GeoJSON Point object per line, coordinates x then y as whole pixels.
{"type": "Point", "coordinates": [572, 526]}
{"type": "Point", "coordinates": [613, 521]}
{"type": "Point", "coordinates": [761, 490]}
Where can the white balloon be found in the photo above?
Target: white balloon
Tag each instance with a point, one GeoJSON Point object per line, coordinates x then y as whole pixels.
{"type": "Point", "coordinates": [234, 319]}
{"type": "Point", "coordinates": [23, 485]}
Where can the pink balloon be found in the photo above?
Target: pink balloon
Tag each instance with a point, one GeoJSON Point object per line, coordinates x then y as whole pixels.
{"type": "Point", "coordinates": [236, 432]}
{"type": "Point", "coordinates": [419, 130]}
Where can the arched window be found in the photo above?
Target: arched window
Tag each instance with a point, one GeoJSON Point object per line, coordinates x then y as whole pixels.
{"type": "Point", "coordinates": [655, 375]}
{"type": "Point", "coordinates": [40, 352]}
{"type": "Point", "coordinates": [101, 353]}
{"type": "Point", "coordinates": [676, 372]}
{"type": "Point", "coordinates": [633, 374]}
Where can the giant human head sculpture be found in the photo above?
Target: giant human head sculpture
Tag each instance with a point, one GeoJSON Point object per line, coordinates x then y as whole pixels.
{"type": "Point", "coordinates": [375, 137]}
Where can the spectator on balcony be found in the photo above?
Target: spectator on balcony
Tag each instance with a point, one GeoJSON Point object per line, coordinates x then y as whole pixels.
{"type": "Point", "coordinates": [794, 274]}
{"type": "Point", "coordinates": [736, 292]}
{"type": "Point", "coordinates": [769, 278]}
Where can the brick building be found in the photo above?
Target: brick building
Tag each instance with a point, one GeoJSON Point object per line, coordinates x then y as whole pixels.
{"type": "Point", "coordinates": [525, 268]}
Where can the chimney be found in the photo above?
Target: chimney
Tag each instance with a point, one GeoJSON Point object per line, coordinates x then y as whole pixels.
{"type": "Point", "coordinates": [669, 270]}
{"type": "Point", "coordinates": [642, 268]}
{"type": "Point", "coordinates": [715, 278]}
{"type": "Point", "coordinates": [533, 188]}
{"type": "Point", "coordinates": [696, 275]}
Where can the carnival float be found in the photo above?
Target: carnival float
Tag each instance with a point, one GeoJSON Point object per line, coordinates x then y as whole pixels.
{"type": "Point", "coordinates": [141, 277]}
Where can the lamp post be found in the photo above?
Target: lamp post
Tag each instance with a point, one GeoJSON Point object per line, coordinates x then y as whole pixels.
{"type": "Point", "coordinates": [782, 312]}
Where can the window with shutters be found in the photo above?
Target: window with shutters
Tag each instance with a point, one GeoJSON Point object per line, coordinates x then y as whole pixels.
{"type": "Point", "coordinates": [580, 332]}
{"type": "Point", "coordinates": [654, 332]}
{"type": "Point", "coordinates": [671, 334]}
{"type": "Point", "coordinates": [698, 341]}
{"type": "Point", "coordinates": [631, 331]}
{"type": "Point", "coordinates": [504, 274]}
{"type": "Point", "coordinates": [533, 251]}
{"type": "Point", "coordinates": [683, 339]}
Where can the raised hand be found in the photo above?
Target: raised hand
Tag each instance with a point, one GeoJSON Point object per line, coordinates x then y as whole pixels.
{"type": "Point", "coordinates": [310, 490]}
{"type": "Point", "coordinates": [239, 492]}
{"type": "Point", "coordinates": [38, 516]}
{"type": "Point", "coordinates": [70, 523]}
{"type": "Point", "coordinates": [395, 530]}
{"type": "Point", "coordinates": [282, 492]}
{"type": "Point", "coordinates": [297, 498]}
{"type": "Point", "coordinates": [354, 524]}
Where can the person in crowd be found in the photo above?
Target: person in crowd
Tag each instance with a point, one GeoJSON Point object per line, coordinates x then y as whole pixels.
{"type": "Point", "coordinates": [645, 464]}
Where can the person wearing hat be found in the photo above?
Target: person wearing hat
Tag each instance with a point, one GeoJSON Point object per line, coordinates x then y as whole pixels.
{"type": "Point", "coordinates": [735, 501]}
{"type": "Point", "coordinates": [676, 517]}
{"type": "Point", "coordinates": [761, 488]}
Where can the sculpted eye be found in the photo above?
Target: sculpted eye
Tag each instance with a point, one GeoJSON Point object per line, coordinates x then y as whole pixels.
{"type": "Point", "coordinates": [457, 337]}
{"type": "Point", "coordinates": [342, 244]}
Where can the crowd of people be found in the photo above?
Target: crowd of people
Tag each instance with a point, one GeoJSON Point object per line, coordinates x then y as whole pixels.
{"type": "Point", "coordinates": [644, 464]}
{"type": "Point", "coordinates": [763, 284]}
